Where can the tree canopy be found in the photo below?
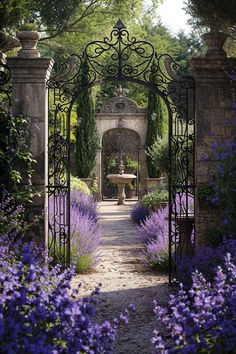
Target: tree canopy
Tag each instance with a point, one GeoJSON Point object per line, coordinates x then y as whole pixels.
{"type": "Point", "coordinates": [219, 15]}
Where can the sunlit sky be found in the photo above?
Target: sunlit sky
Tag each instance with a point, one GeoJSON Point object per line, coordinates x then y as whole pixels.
{"type": "Point", "coordinates": [173, 16]}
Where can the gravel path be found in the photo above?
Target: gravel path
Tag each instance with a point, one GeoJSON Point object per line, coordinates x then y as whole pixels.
{"type": "Point", "coordinates": [124, 280]}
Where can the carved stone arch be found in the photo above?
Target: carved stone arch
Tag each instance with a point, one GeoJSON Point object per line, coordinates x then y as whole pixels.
{"type": "Point", "coordinates": [132, 118]}
{"type": "Point", "coordinates": [115, 142]}
{"type": "Point", "coordinates": [121, 104]}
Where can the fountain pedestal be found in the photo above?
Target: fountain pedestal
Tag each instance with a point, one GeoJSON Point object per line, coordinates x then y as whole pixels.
{"type": "Point", "coordinates": [121, 180]}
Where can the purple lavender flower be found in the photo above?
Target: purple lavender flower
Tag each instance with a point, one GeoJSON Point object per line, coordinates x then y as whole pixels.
{"type": "Point", "coordinates": [85, 235]}
{"type": "Point", "coordinates": [139, 213]}
{"type": "Point", "coordinates": [39, 313]}
{"type": "Point", "coordinates": [154, 233]}
{"type": "Point", "coordinates": [155, 227]}
{"type": "Point", "coordinates": [201, 320]}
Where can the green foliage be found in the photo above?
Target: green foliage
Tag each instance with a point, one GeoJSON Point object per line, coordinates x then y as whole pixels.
{"type": "Point", "coordinates": [162, 264]}
{"type": "Point", "coordinates": [154, 129]}
{"type": "Point", "coordinates": [216, 15]}
{"type": "Point", "coordinates": [77, 184]}
{"type": "Point", "coordinates": [82, 263]}
{"type": "Point", "coordinates": [213, 237]}
{"type": "Point", "coordinates": [158, 154]}
{"type": "Point", "coordinates": [16, 14]}
{"type": "Point", "coordinates": [151, 199]}
{"type": "Point", "coordinates": [94, 184]}
{"type": "Point", "coordinates": [205, 192]}
{"type": "Point", "coordinates": [112, 164]}
{"type": "Point", "coordinates": [86, 135]}
{"type": "Point", "coordinates": [16, 162]}
{"type": "Point", "coordinates": [131, 166]}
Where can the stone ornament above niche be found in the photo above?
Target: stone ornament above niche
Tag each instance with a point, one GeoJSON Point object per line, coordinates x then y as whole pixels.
{"type": "Point", "coordinates": [121, 105]}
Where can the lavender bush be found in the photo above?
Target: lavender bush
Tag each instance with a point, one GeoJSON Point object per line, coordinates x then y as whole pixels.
{"type": "Point", "coordinates": [155, 228]}
{"type": "Point", "coordinates": [85, 204]}
{"type": "Point", "coordinates": [85, 230]}
{"type": "Point", "coordinates": [39, 313]}
{"type": "Point", "coordinates": [139, 213]}
{"type": "Point", "coordinates": [206, 259]}
{"type": "Point", "coordinates": [201, 320]}
{"type": "Point", "coordinates": [85, 239]}
{"type": "Point", "coordinates": [154, 233]}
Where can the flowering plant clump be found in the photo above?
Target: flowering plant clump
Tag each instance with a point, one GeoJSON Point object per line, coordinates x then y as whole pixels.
{"type": "Point", "coordinates": [201, 320]}
{"type": "Point", "coordinates": [40, 313]}
{"type": "Point", "coordinates": [85, 231]}
{"type": "Point", "coordinates": [206, 259]}
{"type": "Point", "coordinates": [155, 227]}
{"type": "Point", "coordinates": [85, 240]}
{"type": "Point", "coordinates": [85, 204]}
{"type": "Point", "coordinates": [84, 228]}
{"type": "Point", "coordinates": [139, 213]}
{"type": "Point", "coordinates": [153, 231]}
{"type": "Point", "coordinates": [221, 192]}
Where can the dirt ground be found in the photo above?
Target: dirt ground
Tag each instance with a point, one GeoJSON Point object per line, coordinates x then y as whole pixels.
{"type": "Point", "coordinates": [125, 280]}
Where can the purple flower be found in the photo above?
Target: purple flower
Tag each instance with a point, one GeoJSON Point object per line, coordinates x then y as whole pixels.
{"type": "Point", "coordinates": [40, 313]}
{"type": "Point", "coordinates": [139, 213]}
{"type": "Point", "coordinates": [201, 319]}
{"type": "Point", "coordinates": [154, 233]}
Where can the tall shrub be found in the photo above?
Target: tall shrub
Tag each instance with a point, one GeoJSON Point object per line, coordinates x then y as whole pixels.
{"type": "Point", "coordinates": [85, 132]}
{"type": "Point", "coordinates": [154, 129]}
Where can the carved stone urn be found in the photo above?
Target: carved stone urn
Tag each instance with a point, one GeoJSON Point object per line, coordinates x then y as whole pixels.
{"type": "Point", "coordinates": [28, 40]}
{"type": "Point", "coordinates": [214, 42]}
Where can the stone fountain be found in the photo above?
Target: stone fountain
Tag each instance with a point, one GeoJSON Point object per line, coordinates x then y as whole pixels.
{"type": "Point", "coordinates": [121, 179]}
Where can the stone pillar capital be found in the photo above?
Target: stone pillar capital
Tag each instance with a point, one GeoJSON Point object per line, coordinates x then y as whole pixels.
{"type": "Point", "coordinates": [31, 70]}
{"type": "Point", "coordinates": [28, 41]}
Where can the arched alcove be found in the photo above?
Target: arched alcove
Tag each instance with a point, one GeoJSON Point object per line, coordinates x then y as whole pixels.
{"type": "Point", "coordinates": [120, 143]}
{"type": "Point", "coordinates": [122, 113]}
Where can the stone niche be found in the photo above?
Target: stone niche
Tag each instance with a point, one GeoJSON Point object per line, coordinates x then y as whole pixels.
{"type": "Point", "coordinates": [122, 113]}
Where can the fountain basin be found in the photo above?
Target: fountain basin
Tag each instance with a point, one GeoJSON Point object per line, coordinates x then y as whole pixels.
{"type": "Point", "coordinates": [121, 180]}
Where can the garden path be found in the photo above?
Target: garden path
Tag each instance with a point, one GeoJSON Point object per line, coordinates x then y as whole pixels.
{"type": "Point", "coordinates": [125, 280]}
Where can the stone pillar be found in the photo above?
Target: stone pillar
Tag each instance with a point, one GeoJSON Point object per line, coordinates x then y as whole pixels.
{"type": "Point", "coordinates": [213, 105]}
{"type": "Point", "coordinates": [29, 97]}
{"type": "Point", "coordinates": [97, 170]}
{"type": "Point", "coordinates": [143, 172]}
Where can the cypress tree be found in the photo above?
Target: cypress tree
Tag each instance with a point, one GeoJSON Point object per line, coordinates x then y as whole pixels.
{"type": "Point", "coordinates": [154, 129]}
{"type": "Point", "coordinates": [85, 133]}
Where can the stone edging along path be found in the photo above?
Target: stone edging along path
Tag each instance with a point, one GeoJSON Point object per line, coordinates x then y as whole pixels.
{"type": "Point", "coordinates": [125, 280]}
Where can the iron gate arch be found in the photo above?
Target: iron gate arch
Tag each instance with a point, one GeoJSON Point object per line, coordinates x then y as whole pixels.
{"type": "Point", "coordinates": [158, 72]}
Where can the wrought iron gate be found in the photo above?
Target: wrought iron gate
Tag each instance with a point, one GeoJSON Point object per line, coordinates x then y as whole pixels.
{"type": "Point", "coordinates": [134, 61]}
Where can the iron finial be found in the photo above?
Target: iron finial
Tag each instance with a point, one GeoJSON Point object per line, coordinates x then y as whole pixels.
{"type": "Point", "coordinates": [119, 25]}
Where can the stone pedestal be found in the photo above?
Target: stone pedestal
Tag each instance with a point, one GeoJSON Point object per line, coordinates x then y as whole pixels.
{"type": "Point", "coordinates": [29, 97]}
{"type": "Point", "coordinates": [214, 117]}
